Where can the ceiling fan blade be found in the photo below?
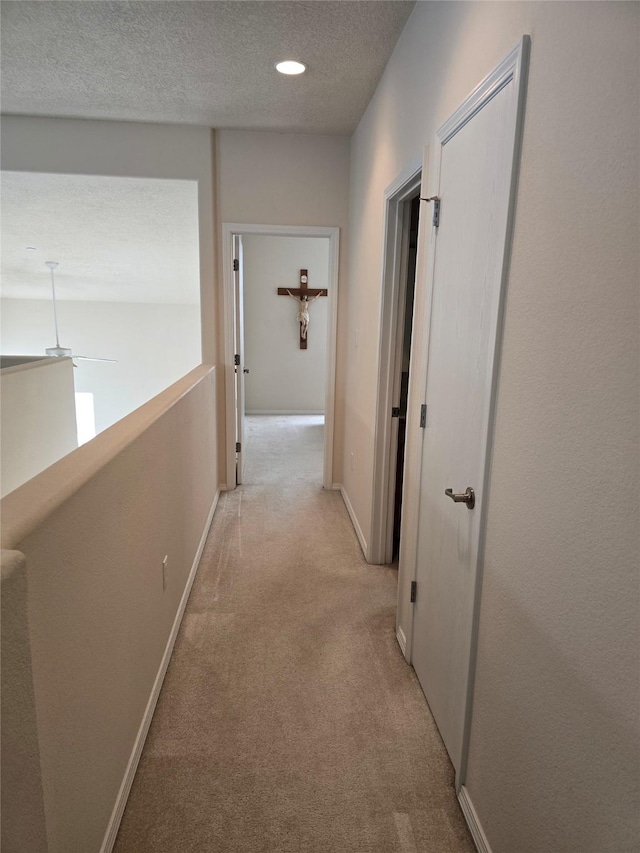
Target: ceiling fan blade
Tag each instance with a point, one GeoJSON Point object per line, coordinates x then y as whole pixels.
{"type": "Point", "coordinates": [64, 352]}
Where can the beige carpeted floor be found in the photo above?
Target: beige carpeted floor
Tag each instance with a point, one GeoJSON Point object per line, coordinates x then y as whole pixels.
{"type": "Point", "coordinates": [289, 721]}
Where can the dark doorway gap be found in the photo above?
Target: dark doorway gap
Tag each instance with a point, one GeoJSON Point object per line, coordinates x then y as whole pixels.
{"type": "Point", "coordinates": [414, 214]}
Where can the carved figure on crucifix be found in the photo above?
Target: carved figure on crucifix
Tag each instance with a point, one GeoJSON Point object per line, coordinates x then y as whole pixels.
{"type": "Point", "coordinates": [304, 296]}
{"type": "Point", "coordinates": [303, 314]}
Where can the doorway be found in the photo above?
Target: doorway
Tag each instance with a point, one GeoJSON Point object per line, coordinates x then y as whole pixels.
{"type": "Point", "coordinates": [283, 378]}
{"type": "Point", "coordinates": [402, 225]}
{"type": "Point", "coordinates": [411, 215]}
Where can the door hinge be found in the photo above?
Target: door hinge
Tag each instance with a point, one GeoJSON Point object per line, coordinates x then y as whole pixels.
{"type": "Point", "coordinates": [414, 590]}
{"type": "Point", "coordinates": [238, 447]}
{"type": "Point", "coordinates": [236, 264]}
{"type": "Point", "coordinates": [236, 359]}
{"type": "Point", "coordinates": [423, 416]}
{"type": "Point", "coordinates": [436, 209]}
{"type": "Point", "coordinates": [395, 412]}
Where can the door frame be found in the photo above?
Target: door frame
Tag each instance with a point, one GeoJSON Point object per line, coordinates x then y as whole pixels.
{"type": "Point", "coordinates": [238, 295]}
{"type": "Point", "coordinates": [514, 67]}
{"type": "Point", "coordinates": [393, 291]}
{"type": "Point", "coordinates": [229, 230]}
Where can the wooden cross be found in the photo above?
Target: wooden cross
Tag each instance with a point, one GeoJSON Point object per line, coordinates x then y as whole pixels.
{"type": "Point", "coordinates": [299, 292]}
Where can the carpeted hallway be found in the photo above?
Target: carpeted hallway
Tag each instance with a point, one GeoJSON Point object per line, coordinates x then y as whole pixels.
{"type": "Point", "coordinates": [289, 721]}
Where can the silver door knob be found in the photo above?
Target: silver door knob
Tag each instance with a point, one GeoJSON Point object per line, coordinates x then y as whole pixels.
{"type": "Point", "coordinates": [468, 497]}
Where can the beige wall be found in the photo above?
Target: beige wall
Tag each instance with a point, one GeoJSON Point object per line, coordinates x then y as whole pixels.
{"type": "Point", "coordinates": [37, 418]}
{"type": "Point", "coordinates": [552, 763]}
{"type": "Point", "coordinates": [23, 825]}
{"type": "Point", "coordinates": [283, 378]}
{"type": "Point", "coordinates": [290, 179]}
{"type": "Point", "coordinates": [99, 618]}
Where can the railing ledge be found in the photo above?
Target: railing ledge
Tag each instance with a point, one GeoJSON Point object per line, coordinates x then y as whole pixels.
{"type": "Point", "coordinates": [30, 504]}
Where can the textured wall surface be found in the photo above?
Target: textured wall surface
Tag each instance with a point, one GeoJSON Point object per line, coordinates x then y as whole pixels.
{"type": "Point", "coordinates": [92, 75]}
{"type": "Point", "coordinates": [116, 239]}
{"type": "Point", "coordinates": [283, 377]}
{"type": "Point", "coordinates": [555, 723]}
{"type": "Point", "coordinates": [99, 618]}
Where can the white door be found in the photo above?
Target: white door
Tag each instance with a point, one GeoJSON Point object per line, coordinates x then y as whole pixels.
{"type": "Point", "coordinates": [473, 180]}
{"type": "Point", "coordinates": [238, 296]}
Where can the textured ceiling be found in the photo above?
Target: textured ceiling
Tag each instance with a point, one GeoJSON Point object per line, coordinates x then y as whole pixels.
{"type": "Point", "coordinates": [209, 62]}
{"type": "Point", "coordinates": [116, 239]}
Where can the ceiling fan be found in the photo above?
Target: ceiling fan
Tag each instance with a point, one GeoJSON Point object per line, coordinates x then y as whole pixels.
{"type": "Point", "coordinates": [64, 352]}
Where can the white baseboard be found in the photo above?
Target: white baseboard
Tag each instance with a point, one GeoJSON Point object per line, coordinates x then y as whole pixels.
{"type": "Point", "coordinates": [285, 412]}
{"type": "Point", "coordinates": [402, 641]}
{"type": "Point", "coordinates": [125, 787]}
{"type": "Point", "coordinates": [354, 521]}
{"type": "Point", "coordinates": [473, 821]}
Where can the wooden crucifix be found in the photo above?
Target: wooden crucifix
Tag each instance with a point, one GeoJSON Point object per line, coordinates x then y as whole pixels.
{"type": "Point", "coordinates": [304, 296]}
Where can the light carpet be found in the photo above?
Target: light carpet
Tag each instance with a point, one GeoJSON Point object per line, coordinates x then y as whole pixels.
{"type": "Point", "coordinates": [289, 721]}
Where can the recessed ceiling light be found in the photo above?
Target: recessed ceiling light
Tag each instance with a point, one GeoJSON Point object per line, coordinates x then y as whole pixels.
{"type": "Point", "coordinates": [290, 66]}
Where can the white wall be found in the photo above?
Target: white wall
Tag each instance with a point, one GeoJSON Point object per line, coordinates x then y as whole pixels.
{"type": "Point", "coordinates": [283, 378]}
{"type": "Point", "coordinates": [553, 762]}
{"type": "Point", "coordinates": [290, 179]}
{"type": "Point", "coordinates": [154, 346]}
{"type": "Point", "coordinates": [37, 419]}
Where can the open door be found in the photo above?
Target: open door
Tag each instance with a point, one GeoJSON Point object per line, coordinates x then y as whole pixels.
{"type": "Point", "coordinates": [240, 369]}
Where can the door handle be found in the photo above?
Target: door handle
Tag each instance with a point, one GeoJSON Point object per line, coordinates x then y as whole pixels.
{"type": "Point", "coordinates": [245, 369]}
{"type": "Point", "coordinates": [468, 497]}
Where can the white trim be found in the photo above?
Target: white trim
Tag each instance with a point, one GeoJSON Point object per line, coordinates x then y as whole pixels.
{"type": "Point", "coordinates": [392, 287]}
{"type": "Point", "coordinates": [407, 565]}
{"type": "Point", "coordinates": [514, 67]}
{"type": "Point", "coordinates": [229, 229]}
{"type": "Point", "coordinates": [473, 821]}
{"type": "Point", "coordinates": [402, 640]}
{"type": "Point", "coordinates": [354, 520]}
{"type": "Point", "coordinates": [229, 365]}
{"type": "Point", "coordinates": [238, 337]}
{"type": "Point", "coordinates": [332, 347]}
{"type": "Point", "coordinates": [398, 186]}
{"type": "Point", "coordinates": [284, 412]}
{"type": "Point", "coordinates": [130, 772]}
{"type": "Point", "coordinates": [509, 69]}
